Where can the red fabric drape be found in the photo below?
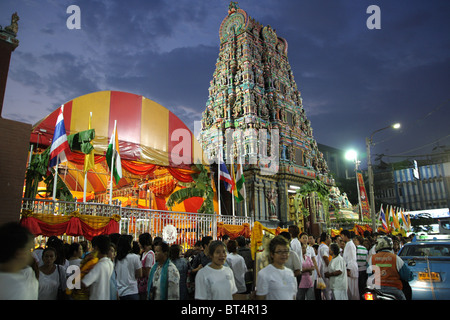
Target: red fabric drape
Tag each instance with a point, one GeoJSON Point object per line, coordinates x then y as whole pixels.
{"type": "Point", "coordinates": [72, 227]}
{"type": "Point", "coordinates": [138, 168]}
{"type": "Point", "coordinates": [182, 175]}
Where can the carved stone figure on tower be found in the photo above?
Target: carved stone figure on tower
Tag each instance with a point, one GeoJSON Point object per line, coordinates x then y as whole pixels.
{"type": "Point", "coordinates": [13, 28]}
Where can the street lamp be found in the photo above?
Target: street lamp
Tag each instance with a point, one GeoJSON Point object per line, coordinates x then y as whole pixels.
{"type": "Point", "coordinates": [352, 155]}
{"type": "Point", "coordinates": [369, 142]}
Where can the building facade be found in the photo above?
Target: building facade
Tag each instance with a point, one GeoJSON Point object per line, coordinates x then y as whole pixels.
{"type": "Point", "coordinates": [414, 187]}
{"type": "Point", "coordinates": [14, 141]}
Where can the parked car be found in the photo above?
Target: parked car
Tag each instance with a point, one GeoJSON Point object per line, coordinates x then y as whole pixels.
{"type": "Point", "coordinates": [430, 263]}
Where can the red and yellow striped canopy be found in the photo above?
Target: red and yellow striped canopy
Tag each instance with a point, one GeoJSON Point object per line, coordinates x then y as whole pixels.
{"type": "Point", "coordinates": [147, 133]}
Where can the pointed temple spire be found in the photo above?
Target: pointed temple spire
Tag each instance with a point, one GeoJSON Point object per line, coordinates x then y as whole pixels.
{"type": "Point", "coordinates": [252, 91]}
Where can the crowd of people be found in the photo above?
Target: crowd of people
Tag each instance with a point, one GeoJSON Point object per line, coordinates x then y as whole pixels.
{"type": "Point", "coordinates": [118, 267]}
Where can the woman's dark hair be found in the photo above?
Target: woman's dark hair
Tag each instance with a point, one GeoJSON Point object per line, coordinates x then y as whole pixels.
{"type": "Point", "coordinates": [51, 249]}
{"type": "Point", "coordinates": [323, 236]}
{"type": "Point", "coordinates": [294, 231]}
{"type": "Point", "coordinates": [58, 244]}
{"type": "Point", "coordinates": [240, 241]}
{"type": "Point", "coordinates": [123, 247]}
{"type": "Point", "coordinates": [136, 248]}
{"type": "Point", "coordinates": [232, 246]}
{"type": "Point", "coordinates": [213, 246]}
{"type": "Point", "coordinates": [73, 248]}
{"type": "Point", "coordinates": [84, 244]}
{"type": "Point", "coordinates": [103, 244]}
{"type": "Point", "coordinates": [346, 233]}
{"type": "Point", "coordinates": [206, 240]}
{"type": "Point", "coordinates": [174, 252]}
{"type": "Point", "coordinates": [286, 234]}
{"type": "Point", "coordinates": [13, 237]}
{"type": "Point", "coordinates": [145, 239]}
{"type": "Point", "coordinates": [277, 241]}
{"type": "Point", "coordinates": [334, 248]}
{"type": "Point", "coordinates": [164, 246]}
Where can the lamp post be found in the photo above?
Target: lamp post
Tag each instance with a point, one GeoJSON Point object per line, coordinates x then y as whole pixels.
{"type": "Point", "coordinates": [353, 156]}
{"type": "Point", "coordinates": [369, 142]}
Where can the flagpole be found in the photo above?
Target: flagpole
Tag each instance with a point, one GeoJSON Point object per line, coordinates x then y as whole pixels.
{"type": "Point", "coordinates": [232, 188]}
{"type": "Point", "coordinates": [241, 168]}
{"type": "Point", "coordinates": [86, 171]}
{"type": "Point", "coordinates": [112, 163]}
{"type": "Point", "coordinates": [55, 179]}
{"type": "Point", "coordinates": [219, 159]}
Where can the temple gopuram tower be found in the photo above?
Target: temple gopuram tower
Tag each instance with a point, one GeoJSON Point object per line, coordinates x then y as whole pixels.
{"type": "Point", "coordinates": [254, 115]}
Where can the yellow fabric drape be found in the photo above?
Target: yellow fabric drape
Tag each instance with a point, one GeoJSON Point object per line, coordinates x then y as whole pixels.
{"type": "Point", "coordinates": [232, 230]}
{"type": "Point", "coordinates": [257, 236]}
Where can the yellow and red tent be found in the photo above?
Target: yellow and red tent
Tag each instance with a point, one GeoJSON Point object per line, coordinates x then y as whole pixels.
{"type": "Point", "coordinates": [156, 147]}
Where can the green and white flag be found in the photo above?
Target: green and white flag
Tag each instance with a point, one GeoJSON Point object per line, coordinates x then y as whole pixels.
{"type": "Point", "coordinates": [239, 190]}
{"type": "Point", "coordinates": [113, 156]}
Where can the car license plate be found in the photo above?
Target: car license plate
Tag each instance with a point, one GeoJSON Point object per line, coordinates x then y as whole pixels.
{"type": "Point", "coordinates": [425, 276]}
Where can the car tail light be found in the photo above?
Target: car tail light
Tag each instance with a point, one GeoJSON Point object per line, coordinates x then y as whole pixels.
{"type": "Point", "coordinates": [369, 296]}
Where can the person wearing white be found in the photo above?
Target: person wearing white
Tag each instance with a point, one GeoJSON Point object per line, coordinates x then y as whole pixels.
{"type": "Point", "coordinates": [349, 256]}
{"type": "Point", "coordinates": [128, 269]}
{"type": "Point", "coordinates": [323, 254]}
{"type": "Point", "coordinates": [310, 253]}
{"type": "Point", "coordinates": [237, 265]}
{"type": "Point", "coordinates": [215, 281]}
{"type": "Point", "coordinates": [295, 243]}
{"type": "Point", "coordinates": [337, 274]}
{"type": "Point", "coordinates": [294, 262]}
{"type": "Point", "coordinates": [51, 276]}
{"type": "Point", "coordinates": [275, 281]}
{"type": "Point", "coordinates": [98, 279]}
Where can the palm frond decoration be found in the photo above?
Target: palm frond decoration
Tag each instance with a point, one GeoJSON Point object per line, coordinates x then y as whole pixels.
{"type": "Point", "coordinates": [202, 188]}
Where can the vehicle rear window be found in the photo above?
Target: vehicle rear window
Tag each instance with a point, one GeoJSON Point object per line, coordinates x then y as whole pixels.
{"type": "Point", "coordinates": [430, 250]}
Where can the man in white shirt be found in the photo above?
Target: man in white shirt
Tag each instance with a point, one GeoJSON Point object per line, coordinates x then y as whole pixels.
{"type": "Point", "coordinates": [295, 243]}
{"type": "Point", "coordinates": [349, 256]}
{"type": "Point", "coordinates": [98, 279]}
{"type": "Point", "coordinates": [293, 262]}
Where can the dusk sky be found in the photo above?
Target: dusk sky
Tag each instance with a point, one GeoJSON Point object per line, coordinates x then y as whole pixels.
{"type": "Point", "coordinates": [353, 80]}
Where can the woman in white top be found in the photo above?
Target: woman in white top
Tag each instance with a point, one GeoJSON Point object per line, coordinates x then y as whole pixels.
{"type": "Point", "coordinates": [51, 276]}
{"type": "Point", "coordinates": [128, 269]}
{"type": "Point", "coordinates": [147, 260]}
{"type": "Point", "coordinates": [237, 264]}
{"type": "Point", "coordinates": [276, 282]}
{"type": "Point", "coordinates": [215, 281]}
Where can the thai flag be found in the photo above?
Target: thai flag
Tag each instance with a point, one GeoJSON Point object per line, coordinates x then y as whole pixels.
{"type": "Point", "coordinates": [226, 178]}
{"type": "Point", "coordinates": [383, 219]}
{"type": "Point", "coordinates": [60, 146]}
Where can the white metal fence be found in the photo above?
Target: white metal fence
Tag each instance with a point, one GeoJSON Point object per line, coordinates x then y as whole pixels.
{"type": "Point", "coordinates": [190, 226]}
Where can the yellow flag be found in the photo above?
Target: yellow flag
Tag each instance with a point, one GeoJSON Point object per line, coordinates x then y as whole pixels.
{"type": "Point", "coordinates": [89, 162]}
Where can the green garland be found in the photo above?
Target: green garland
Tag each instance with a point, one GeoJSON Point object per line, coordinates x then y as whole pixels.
{"type": "Point", "coordinates": [316, 187]}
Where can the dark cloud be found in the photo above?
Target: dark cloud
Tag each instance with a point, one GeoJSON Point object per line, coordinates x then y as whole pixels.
{"type": "Point", "coordinates": [353, 80]}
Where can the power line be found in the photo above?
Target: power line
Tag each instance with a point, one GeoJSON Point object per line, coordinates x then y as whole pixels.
{"type": "Point", "coordinates": [415, 123]}
{"type": "Point", "coordinates": [424, 146]}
